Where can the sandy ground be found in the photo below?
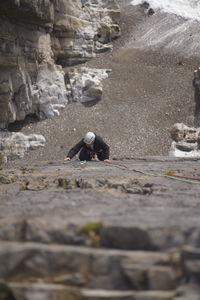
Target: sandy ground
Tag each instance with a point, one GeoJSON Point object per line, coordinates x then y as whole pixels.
{"type": "Point", "coordinates": [146, 93]}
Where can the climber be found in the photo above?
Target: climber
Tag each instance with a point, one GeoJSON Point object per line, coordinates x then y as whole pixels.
{"type": "Point", "coordinates": [90, 146]}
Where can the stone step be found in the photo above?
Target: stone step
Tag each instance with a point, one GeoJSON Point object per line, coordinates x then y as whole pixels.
{"type": "Point", "coordinates": [89, 267]}
{"type": "Point", "coordinates": [42, 291]}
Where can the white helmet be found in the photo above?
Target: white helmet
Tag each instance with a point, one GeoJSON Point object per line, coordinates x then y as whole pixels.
{"type": "Point", "coordinates": [89, 138]}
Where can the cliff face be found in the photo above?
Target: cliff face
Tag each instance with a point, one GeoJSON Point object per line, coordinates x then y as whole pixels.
{"type": "Point", "coordinates": [39, 38]}
{"type": "Point", "coordinates": [101, 231]}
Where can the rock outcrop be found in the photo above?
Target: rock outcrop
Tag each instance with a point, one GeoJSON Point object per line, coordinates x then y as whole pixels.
{"type": "Point", "coordinates": [15, 145]}
{"type": "Point", "coordinates": [38, 39]}
{"type": "Point", "coordinates": [85, 85]}
{"type": "Point", "coordinates": [186, 141]}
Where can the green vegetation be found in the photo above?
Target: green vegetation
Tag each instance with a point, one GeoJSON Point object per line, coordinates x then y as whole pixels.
{"type": "Point", "coordinates": [93, 231]}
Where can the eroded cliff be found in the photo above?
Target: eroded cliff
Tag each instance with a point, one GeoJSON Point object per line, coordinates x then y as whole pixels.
{"type": "Point", "coordinates": [38, 39]}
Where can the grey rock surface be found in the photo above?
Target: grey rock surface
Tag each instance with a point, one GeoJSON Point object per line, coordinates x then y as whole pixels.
{"type": "Point", "coordinates": [121, 230]}
{"type": "Point", "coordinates": [141, 193]}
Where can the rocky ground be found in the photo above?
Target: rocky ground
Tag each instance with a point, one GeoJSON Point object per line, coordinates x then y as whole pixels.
{"type": "Point", "coordinates": [134, 192]}
{"type": "Point", "coordinates": [93, 231]}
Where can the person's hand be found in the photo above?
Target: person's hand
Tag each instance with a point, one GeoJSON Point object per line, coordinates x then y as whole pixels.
{"type": "Point", "coordinates": [67, 158]}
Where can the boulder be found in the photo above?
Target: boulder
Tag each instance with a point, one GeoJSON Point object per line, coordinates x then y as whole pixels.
{"type": "Point", "coordinates": [15, 144]}
{"type": "Point", "coordinates": [181, 132]}
{"type": "Point", "coordinates": [186, 141]}
{"type": "Point", "coordinates": [85, 85]}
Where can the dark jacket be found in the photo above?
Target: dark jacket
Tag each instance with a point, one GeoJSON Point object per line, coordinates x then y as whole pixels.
{"type": "Point", "coordinates": [98, 146]}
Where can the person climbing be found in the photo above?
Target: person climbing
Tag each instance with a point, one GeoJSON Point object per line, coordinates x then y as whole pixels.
{"type": "Point", "coordinates": [90, 146]}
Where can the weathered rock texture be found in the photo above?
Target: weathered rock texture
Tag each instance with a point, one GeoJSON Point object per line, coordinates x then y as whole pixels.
{"type": "Point", "coordinates": [100, 231]}
{"type": "Point", "coordinates": [14, 145]}
{"type": "Point", "coordinates": [85, 85]}
{"type": "Point", "coordinates": [186, 141]}
{"type": "Point", "coordinates": [37, 39]}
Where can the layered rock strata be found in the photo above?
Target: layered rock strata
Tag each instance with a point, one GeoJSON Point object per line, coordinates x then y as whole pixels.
{"type": "Point", "coordinates": [97, 231]}
{"type": "Point", "coordinates": [38, 38]}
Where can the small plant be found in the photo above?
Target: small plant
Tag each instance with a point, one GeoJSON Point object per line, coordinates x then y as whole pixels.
{"type": "Point", "coordinates": [64, 183]}
{"type": "Point", "coordinates": [93, 231]}
{"type": "Point", "coordinates": [66, 186]}
{"type": "Point", "coordinates": [169, 173]}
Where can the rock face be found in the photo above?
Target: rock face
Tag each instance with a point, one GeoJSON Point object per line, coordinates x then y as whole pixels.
{"type": "Point", "coordinates": [38, 38]}
{"type": "Point", "coordinates": [100, 231]}
{"type": "Point", "coordinates": [84, 85]}
{"type": "Point", "coordinates": [186, 141]}
{"type": "Point", "coordinates": [14, 145]}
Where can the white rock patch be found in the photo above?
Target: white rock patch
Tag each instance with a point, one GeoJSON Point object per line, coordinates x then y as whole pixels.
{"type": "Point", "coordinates": [15, 145]}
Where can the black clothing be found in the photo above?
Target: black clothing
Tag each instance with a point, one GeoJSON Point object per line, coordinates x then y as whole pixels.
{"type": "Point", "coordinates": [99, 147]}
{"type": "Point", "coordinates": [86, 154]}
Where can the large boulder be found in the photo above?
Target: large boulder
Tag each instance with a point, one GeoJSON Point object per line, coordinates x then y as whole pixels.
{"type": "Point", "coordinates": [186, 141]}
{"type": "Point", "coordinates": [85, 85]}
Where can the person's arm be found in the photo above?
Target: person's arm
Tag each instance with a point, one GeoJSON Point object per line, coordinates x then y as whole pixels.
{"type": "Point", "coordinates": [74, 150]}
